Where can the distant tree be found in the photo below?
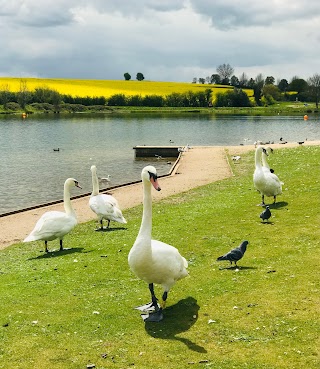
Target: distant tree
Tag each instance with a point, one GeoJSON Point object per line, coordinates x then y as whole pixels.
{"type": "Point", "coordinates": [117, 100]}
{"type": "Point", "coordinates": [271, 92]}
{"type": "Point", "coordinates": [140, 76]}
{"type": "Point", "coordinates": [269, 80]}
{"type": "Point", "coordinates": [250, 83]}
{"type": "Point", "coordinates": [225, 71]}
{"type": "Point", "coordinates": [298, 84]}
{"type": "Point", "coordinates": [5, 94]}
{"type": "Point", "coordinates": [234, 81]}
{"type": "Point", "coordinates": [283, 85]}
{"type": "Point", "coordinates": [194, 80]}
{"type": "Point", "coordinates": [314, 88]}
{"type": "Point", "coordinates": [257, 88]}
{"type": "Point", "coordinates": [215, 79]}
{"type": "Point", "coordinates": [127, 76]}
{"type": "Point", "coordinates": [232, 98]}
{"type": "Point", "coordinates": [208, 79]}
{"type": "Point", "coordinates": [24, 95]}
{"type": "Point", "coordinates": [202, 80]}
{"type": "Point", "coordinates": [243, 80]}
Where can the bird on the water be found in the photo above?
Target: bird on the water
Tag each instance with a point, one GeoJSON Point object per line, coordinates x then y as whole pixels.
{"type": "Point", "coordinates": [235, 254]}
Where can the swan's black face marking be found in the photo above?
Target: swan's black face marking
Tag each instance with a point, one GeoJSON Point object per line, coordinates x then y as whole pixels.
{"type": "Point", "coordinates": [265, 151]}
{"type": "Point", "coordinates": [153, 176]}
{"type": "Point", "coordinates": [76, 183]}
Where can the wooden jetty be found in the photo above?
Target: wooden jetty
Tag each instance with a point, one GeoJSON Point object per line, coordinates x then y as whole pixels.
{"type": "Point", "coordinates": [157, 151]}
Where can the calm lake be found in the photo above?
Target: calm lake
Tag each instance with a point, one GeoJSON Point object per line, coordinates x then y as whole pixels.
{"type": "Point", "coordinates": [32, 173]}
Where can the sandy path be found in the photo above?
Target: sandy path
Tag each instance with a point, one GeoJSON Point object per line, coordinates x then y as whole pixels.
{"type": "Point", "coordinates": [197, 166]}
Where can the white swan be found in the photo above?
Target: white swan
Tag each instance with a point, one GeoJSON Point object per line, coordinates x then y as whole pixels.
{"type": "Point", "coordinates": [105, 206]}
{"type": "Point", "coordinates": [267, 183]}
{"type": "Point", "coordinates": [56, 224]}
{"type": "Point", "coordinates": [154, 261]}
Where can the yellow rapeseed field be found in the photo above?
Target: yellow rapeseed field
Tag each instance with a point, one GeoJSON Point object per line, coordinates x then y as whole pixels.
{"type": "Point", "coordinates": [107, 88]}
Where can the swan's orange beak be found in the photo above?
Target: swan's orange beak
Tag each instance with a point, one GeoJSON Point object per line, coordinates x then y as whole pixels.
{"type": "Point", "coordinates": [155, 184]}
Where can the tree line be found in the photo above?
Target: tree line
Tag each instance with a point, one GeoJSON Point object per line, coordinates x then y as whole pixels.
{"type": "Point", "coordinates": [47, 99]}
{"type": "Point", "coordinates": [266, 91]}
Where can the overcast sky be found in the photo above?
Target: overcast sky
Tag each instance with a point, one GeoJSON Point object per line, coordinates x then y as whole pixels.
{"type": "Point", "coordinates": [166, 40]}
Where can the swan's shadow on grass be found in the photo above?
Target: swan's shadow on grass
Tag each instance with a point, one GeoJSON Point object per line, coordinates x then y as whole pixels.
{"type": "Point", "coordinates": [278, 205]}
{"type": "Point", "coordinates": [58, 253]}
{"type": "Point", "coordinates": [178, 318]}
{"type": "Point", "coordinates": [111, 229]}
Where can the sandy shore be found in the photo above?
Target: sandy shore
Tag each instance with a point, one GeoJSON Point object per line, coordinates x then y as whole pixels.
{"type": "Point", "coordinates": [196, 167]}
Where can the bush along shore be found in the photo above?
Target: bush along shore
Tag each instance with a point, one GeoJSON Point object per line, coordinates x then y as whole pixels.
{"type": "Point", "coordinates": [46, 108]}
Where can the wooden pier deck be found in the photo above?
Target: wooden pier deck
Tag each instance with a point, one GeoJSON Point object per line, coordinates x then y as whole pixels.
{"type": "Point", "coordinates": [162, 151]}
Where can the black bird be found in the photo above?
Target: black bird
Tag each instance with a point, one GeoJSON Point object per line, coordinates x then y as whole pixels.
{"type": "Point", "coordinates": [235, 254]}
{"type": "Point", "coordinates": [266, 214]}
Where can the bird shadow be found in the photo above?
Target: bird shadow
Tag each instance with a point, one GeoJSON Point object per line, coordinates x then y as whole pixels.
{"type": "Point", "coordinates": [58, 253]}
{"type": "Point", "coordinates": [111, 229]}
{"type": "Point", "coordinates": [235, 267]}
{"type": "Point", "coordinates": [267, 222]}
{"type": "Point", "coordinates": [178, 318]}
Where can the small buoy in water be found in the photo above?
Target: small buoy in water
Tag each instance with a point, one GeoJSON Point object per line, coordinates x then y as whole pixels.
{"type": "Point", "coordinates": [24, 115]}
{"type": "Point", "coordinates": [306, 117]}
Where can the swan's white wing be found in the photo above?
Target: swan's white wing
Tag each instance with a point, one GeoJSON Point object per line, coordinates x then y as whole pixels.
{"type": "Point", "coordinates": [169, 263]}
{"type": "Point", "coordinates": [52, 225]}
{"type": "Point", "coordinates": [105, 206]}
{"type": "Point", "coordinates": [100, 205]}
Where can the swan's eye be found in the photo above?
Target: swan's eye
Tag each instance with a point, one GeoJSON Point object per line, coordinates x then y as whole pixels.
{"type": "Point", "coordinates": [153, 176]}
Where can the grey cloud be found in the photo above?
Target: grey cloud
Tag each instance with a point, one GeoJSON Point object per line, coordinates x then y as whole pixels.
{"type": "Point", "coordinates": [230, 14]}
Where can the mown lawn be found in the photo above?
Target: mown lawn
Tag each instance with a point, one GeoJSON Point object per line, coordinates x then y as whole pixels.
{"type": "Point", "coordinates": [74, 308]}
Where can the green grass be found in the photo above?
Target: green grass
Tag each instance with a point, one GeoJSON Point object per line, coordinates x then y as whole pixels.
{"type": "Point", "coordinates": [73, 308]}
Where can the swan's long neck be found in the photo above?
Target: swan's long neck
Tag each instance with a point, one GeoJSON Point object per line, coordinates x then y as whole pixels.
{"type": "Point", "coordinates": [146, 223]}
{"type": "Point", "coordinates": [67, 201]}
{"type": "Point", "coordinates": [258, 158]}
{"type": "Point", "coordinates": [95, 184]}
{"type": "Point", "coordinates": [265, 161]}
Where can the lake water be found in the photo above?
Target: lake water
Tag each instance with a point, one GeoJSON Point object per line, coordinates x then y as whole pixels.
{"type": "Point", "coordinates": [32, 173]}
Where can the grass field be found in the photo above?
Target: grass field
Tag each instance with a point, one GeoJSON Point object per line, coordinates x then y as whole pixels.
{"type": "Point", "coordinates": [108, 88]}
{"type": "Point", "coordinates": [70, 309]}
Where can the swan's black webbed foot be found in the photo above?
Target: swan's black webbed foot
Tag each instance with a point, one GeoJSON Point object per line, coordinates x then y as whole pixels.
{"type": "Point", "coordinates": [157, 316]}
{"type": "Point", "coordinates": [148, 308]}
